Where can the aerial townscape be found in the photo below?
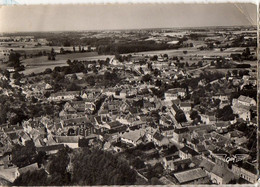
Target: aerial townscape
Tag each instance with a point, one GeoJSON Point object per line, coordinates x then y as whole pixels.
{"type": "Point", "coordinates": [155, 106]}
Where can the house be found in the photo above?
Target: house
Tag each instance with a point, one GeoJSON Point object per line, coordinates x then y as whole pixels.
{"type": "Point", "coordinates": [167, 131]}
{"type": "Point", "coordinates": [173, 94]}
{"type": "Point", "coordinates": [6, 160]}
{"type": "Point", "coordinates": [185, 107]}
{"type": "Point", "coordinates": [168, 161]}
{"type": "Point", "coordinates": [221, 97]}
{"type": "Point", "coordinates": [132, 137]}
{"type": "Point", "coordinates": [114, 125]}
{"type": "Point", "coordinates": [160, 140]}
{"type": "Point", "coordinates": [179, 134]}
{"type": "Point", "coordinates": [191, 176]}
{"type": "Point", "coordinates": [246, 171]}
{"type": "Point", "coordinates": [241, 109]}
{"type": "Point", "coordinates": [24, 137]}
{"type": "Point", "coordinates": [71, 141]}
{"type": "Point", "coordinates": [63, 96]}
{"type": "Point", "coordinates": [222, 126]}
{"type": "Point", "coordinates": [244, 100]}
{"type": "Point", "coordinates": [29, 168]}
{"type": "Point", "coordinates": [91, 141]}
{"type": "Point", "coordinates": [208, 119]}
{"type": "Point", "coordinates": [75, 121]}
{"type": "Point", "coordinates": [51, 149]}
{"type": "Point", "coordinates": [85, 130]}
{"type": "Point", "coordinates": [166, 121]}
{"type": "Point", "coordinates": [182, 164]}
{"type": "Point", "coordinates": [187, 152]}
{"type": "Point", "coordinates": [174, 109]}
{"type": "Point", "coordinates": [9, 174]}
{"type": "Point", "coordinates": [207, 165]}
{"type": "Point", "coordinates": [221, 175]}
{"type": "Point", "coordinates": [78, 76]}
{"type": "Point", "coordinates": [90, 107]}
{"type": "Point", "coordinates": [167, 180]}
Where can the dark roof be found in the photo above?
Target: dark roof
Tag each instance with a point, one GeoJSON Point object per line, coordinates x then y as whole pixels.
{"type": "Point", "coordinates": [185, 105]}
{"type": "Point", "coordinates": [50, 148]}
{"type": "Point", "coordinates": [183, 161]}
{"type": "Point", "coordinates": [115, 124]}
{"type": "Point", "coordinates": [175, 108]}
{"type": "Point", "coordinates": [220, 151]}
{"type": "Point", "coordinates": [158, 136]}
{"type": "Point", "coordinates": [187, 149]}
{"type": "Point", "coordinates": [181, 130]}
{"type": "Point", "coordinates": [133, 110]}
{"type": "Point", "coordinates": [249, 167]}
{"type": "Point", "coordinates": [172, 157]}
{"type": "Point", "coordinates": [66, 139]}
{"type": "Point", "coordinates": [13, 136]}
{"type": "Point", "coordinates": [166, 128]}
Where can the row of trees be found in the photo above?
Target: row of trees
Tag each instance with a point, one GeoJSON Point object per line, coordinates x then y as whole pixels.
{"type": "Point", "coordinates": [133, 46]}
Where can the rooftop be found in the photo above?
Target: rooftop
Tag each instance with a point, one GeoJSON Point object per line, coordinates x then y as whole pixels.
{"type": "Point", "coordinates": [190, 175]}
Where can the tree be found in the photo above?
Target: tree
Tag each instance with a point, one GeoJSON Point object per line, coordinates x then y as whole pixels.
{"type": "Point", "coordinates": [14, 59]}
{"type": "Point", "coordinates": [165, 56]}
{"type": "Point", "coordinates": [48, 71]}
{"type": "Point", "coordinates": [158, 83]}
{"type": "Point", "coordinates": [52, 55]}
{"type": "Point", "coordinates": [200, 63]}
{"type": "Point", "coordinates": [6, 73]}
{"type": "Point", "coordinates": [34, 178]}
{"type": "Point", "coordinates": [138, 163]}
{"type": "Point", "coordinates": [62, 50]}
{"type": "Point", "coordinates": [219, 64]}
{"type": "Point", "coordinates": [17, 75]}
{"type": "Point", "coordinates": [91, 81]}
{"type": "Point", "coordinates": [225, 114]}
{"type": "Point", "coordinates": [216, 102]}
{"type": "Point", "coordinates": [59, 162]}
{"type": "Point", "coordinates": [228, 74]}
{"type": "Point", "coordinates": [154, 58]}
{"type": "Point", "coordinates": [180, 116]}
{"type": "Point", "coordinates": [194, 114]}
{"type": "Point", "coordinates": [101, 168]}
{"type": "Point", "coordinates": [34, 100]}
{"type": "Point", "coordinates": [247, 52]}
{"type": "Point", "coordinates": [146, 78]}
{"type": "Point", "coordinates": [234, 72]}
{"type": "Point", "coordinates": [23, 155]}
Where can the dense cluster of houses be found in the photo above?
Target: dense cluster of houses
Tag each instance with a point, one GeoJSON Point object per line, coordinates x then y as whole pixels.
{"type": "Point", "coordinates": [127, 115]}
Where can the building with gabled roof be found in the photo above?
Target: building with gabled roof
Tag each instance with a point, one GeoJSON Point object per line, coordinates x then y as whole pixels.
{"type": "Point", "coordinates": [187, 152]}
{"type": "Point", "coordinates": [191, 176]}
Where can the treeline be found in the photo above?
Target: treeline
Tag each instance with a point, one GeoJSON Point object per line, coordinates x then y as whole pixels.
{"type": "Point", "coordinates": [133, 46]}
{"type": "Point", "coordinates": [87, 167]}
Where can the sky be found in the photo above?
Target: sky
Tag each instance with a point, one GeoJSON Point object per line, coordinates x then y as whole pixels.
{"type": "Point", "coordinates": [124, 16]}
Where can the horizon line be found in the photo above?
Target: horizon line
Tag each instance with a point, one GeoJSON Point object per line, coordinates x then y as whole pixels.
{"type": "Point", "coordinates": [148, 28]}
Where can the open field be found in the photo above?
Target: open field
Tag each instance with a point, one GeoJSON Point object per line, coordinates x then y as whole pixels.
{"type": "Point", "coordinates": [193, 51]}
{"type": "Point", "coordinates": [44, 59]}
{"type": "Point", "coordinates": [39, 64]}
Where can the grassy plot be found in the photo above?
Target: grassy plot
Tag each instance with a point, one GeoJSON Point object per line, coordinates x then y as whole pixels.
{"type": "Point", "coordinates": [39, 64]}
